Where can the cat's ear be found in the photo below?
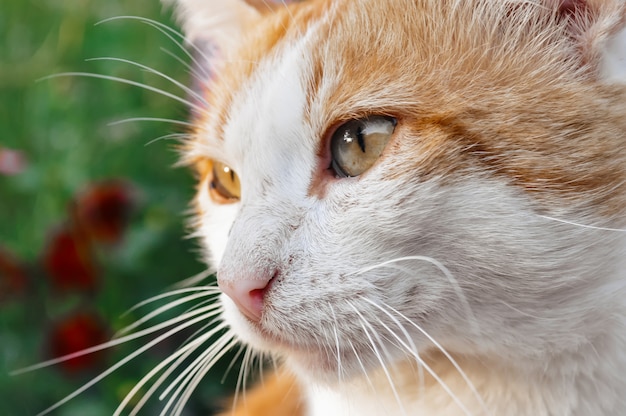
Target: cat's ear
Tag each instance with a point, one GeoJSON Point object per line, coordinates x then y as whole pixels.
{"type": "Point", "coordinates": [218, 23]}
{"type": "Point", "coordinates": [598, 29]}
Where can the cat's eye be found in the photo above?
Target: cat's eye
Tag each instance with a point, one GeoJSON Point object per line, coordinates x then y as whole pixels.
{"type": "Point", "coordinates": [224, 186]}
{"type": "Point", "coordinates": [357, 144]}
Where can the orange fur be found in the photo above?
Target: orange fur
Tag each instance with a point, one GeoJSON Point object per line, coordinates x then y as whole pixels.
{"type": "Point", "coordinates": [277, 395]}
{"type": "Point", "coordinates": [540, 154]}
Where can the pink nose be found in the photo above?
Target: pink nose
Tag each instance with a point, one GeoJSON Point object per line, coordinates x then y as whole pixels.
{"type": "Point", "coordinates": [247, 294]}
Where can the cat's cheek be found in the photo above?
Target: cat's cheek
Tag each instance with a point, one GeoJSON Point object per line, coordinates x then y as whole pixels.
{"type": "Point", "coordinates": [215, 223]}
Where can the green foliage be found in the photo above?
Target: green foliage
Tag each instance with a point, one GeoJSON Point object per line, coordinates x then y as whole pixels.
{"type": "Point", "coordinates": [62, 127]}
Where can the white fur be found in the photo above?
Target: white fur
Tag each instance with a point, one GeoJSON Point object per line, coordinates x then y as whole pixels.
{"type": "Point", "coordinates": [532, 308]}
{"type": "Point", "coordinates": [614, 58]}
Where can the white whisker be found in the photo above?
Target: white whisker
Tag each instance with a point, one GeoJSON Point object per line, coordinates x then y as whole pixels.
{"type": "Point", "coordinates": [194, 280]}
{"type": "Point", "coordinates": [244, 363]}
{"type": "Point", "coordinates": [153, 71]}
{"type": "Point", "coordinates": [413, 347]}
{"type": "Point", "coordinates": [392, 385]}
{"type": "Point", "coordinates": [358, 358]}
{"type": "Point", "coordinates": [211, 289]}
{"type": "Point", "coordinates": [178, 136]}
{"type": "Point", "coordinates": [339, 368]}
{"type": "Point", "coordinates": [200, 375]}
{"type": "Point", "coordinates": [215, 351]}
{"type": "Point", "coordinates": [155, 119]}
{"type": "Point", "coordinates": [165, 29]}
{"type": "Point", "coordinates": [233, 361]}
{"type": "Point", "coordinates": [165, 308]}
{"type": "Point", "coordinates": [125, 81]}
{"type": "Point", "coordinates": [451, 279]}
{"type": "Point", "coordinates": [246, 371]}
{"type": "Point", "coordinates": [105, 345]}
{"type": "Point", "coordinates": [195, 74]}
{"type": "Point", "coordinates": [180, 355]}
{"type": "Point", "coordinates": [291, 16]}
{"type": "Point", "coordinates": [450, 358]}
{"type": "Point", "coordinates": [591, 227]}
{"type": "Point", "coordinates": [125, 360]}
{"type": "Point", "coordinates": [421, 362]}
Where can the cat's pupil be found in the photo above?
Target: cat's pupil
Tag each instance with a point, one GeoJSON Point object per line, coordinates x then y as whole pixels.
{"type": "Point", "coordinates": [357, 144]}
{"type": "Point", "coordinates": [360, 139]}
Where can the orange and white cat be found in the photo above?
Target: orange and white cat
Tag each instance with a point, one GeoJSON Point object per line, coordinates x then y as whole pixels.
{"type": "Point", "coordinates": [418, 205]}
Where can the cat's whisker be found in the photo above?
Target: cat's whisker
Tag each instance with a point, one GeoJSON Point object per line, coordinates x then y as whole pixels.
{"type": "Point", "coordinates": [335, 324]}
{"type": "Point", "coordinates": [103, 346]}
{"type": "Point", "coordinates": [240, 377]}
{"type": "Point", "coordinates": [168, 32]}
{"type": "Point", "coordinates": [232, 363]}
{"type": "Point", "coordinates": [411, 348]}
{"type": "Point", "coordinates": [155, 119]}
{"type": "Point", "coordinates": [188, 379]}
{"type": "Point", "coordinates": [197, 370]}
{"type": "Point", "coordinates": [177, 136]}
{"type": "Point", "coordinates": [407, 336]}
{"type": "Point", "coordinates": [274, 361]}
{"type": "Point", "coordinates": [246, 371]}
{"type": "Point", "coordinates": [193, 281]}
{"type": "Point", "coordinates": [192, 71]}
{"type": "Point", "coordinates": [128, 82]}
{"type": "Point", "coordinates": [447, 355]}
{"type": "Point", "coordinates": [422, 363]}
{"type": "Point", "coordinates": [187, 323]}
{"type": "Point", "coordinates": [358, 359]}
{"type": "Point", "coordinates": [190, 368]}
{"type": "Point", "coordinates": [151, 70]}
{"type": "Point", "coordinates": [200, 305]}
{"type": "Point", "coordinates": [191, 337]}
{"type": "Point", "coordinates": [211, 290]}
{"type": "Point", "coordinates": [165, 308]}
{"type": "Point", "coordinates": [202, 372]}
{"type": "Point", "coordinates": [261, 357]}
{"type": "Point", "coordinates": [178, 356]}
{"type": "Point", "coordinates": [378, 355]}
{"type": "Point", "coordinates": [451, 279]}
{"type": "Point", "coordinates": [291, 16]}
{"type": "Point", "coordinates": [591, 227]}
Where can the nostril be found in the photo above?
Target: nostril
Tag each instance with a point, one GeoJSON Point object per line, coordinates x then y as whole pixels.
{"type": "Point", "coordinates": [248, 294]}
{"type": "Point", "coordinates": [256, 298]}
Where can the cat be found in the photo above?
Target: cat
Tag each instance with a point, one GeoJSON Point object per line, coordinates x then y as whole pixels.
{"type": "Point", "coordinates": [418, 205]}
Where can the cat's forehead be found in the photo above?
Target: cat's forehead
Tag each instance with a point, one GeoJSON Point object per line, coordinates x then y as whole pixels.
{"type": "Point", "coordinates": [455, 83]}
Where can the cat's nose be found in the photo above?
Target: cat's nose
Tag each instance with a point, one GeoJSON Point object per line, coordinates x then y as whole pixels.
{"type": "Point", "coordinates": [247, 294]}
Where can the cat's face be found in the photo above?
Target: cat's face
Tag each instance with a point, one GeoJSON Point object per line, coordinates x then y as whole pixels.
{"type": "Point", "coordinates": [376, 175]}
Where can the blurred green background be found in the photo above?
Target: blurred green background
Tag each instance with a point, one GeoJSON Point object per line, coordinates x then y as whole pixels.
{"type": "Point", "coordinates": [59, 131]}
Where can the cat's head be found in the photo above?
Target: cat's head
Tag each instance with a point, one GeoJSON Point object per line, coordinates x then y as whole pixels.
{"type": "Point", "coordinates": [376, 175]}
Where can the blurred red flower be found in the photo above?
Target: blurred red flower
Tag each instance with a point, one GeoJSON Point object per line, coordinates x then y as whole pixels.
{"type": "Point", "coordinates": [68, 261]}
{"type": "Point", "coordinates": [78, 332]}
{"type": "Point", "coordinates": [13, 276]}
{"type": "Point", "coordinates": [103, 210]}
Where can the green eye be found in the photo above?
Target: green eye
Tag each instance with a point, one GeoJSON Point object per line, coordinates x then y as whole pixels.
{"type": "Point", "coordinates": [357, 144]}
